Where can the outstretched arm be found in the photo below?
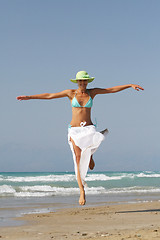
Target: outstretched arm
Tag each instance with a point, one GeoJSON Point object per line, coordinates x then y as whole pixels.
{"type": "Point", "coordinates": [116, 89]}
{"type": "Point", "coordinates": [47, 96]}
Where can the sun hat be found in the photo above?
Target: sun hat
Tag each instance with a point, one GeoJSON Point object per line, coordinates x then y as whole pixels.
{"type": "Point", "coordinates": [82, 75]}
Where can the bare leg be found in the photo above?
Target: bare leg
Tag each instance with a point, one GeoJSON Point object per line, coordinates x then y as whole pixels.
{"type": "Point", "coordinates": [77, 152]}
{"type": "Point", "coordinates": [91, 163]}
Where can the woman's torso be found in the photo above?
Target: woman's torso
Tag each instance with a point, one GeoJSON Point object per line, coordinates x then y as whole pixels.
{"type": "Point", "coordinates": [81, 108]}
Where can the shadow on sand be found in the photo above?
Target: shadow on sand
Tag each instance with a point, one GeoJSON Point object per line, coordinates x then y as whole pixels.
{"type": "Point", "coordinates": [140, 211]}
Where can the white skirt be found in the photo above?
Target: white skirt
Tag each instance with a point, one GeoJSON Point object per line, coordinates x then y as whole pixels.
{"type": "Point", "coordinates": [88, 140]}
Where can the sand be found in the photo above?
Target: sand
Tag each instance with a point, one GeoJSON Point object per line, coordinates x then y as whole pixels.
{"type": "Point", "coordinates": [111, 222]}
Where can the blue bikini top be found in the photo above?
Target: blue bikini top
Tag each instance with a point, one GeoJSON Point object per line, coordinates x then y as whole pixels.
{"type": "Point", "coordinates": [75, 103]}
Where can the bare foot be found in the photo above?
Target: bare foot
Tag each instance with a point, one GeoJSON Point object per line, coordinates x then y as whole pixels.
{"type": "Point", "coordinates": [82, 199]}
{"type": "Point", "coordinates": [91, 164]}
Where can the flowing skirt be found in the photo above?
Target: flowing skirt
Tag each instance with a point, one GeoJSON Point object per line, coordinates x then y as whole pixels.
{"type": "Point", "coordinates": [88, 140]}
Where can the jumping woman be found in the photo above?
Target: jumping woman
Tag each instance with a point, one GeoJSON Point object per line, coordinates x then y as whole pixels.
{"type": "Point", "coordinates": [82, 135]}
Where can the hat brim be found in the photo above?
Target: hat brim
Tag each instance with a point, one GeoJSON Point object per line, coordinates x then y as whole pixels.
{"type": "Point", "coordinates": [88, 79]}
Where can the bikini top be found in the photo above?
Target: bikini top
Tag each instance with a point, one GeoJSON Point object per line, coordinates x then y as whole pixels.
{"type": "Point", "coordinates": [75, 103]}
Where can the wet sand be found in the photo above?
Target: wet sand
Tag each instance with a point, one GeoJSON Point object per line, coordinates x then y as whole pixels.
{"type": "Point", "coordinates": [111, 222]}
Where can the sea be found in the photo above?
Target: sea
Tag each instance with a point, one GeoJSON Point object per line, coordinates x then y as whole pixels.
{"type": "Point", "coordinates": [40, 192]}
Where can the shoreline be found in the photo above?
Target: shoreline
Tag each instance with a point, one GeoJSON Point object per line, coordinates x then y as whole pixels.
{"type": "Point", "coordinates": [11, 214]}
{"type": "Point", "coordinates": [108, 221]}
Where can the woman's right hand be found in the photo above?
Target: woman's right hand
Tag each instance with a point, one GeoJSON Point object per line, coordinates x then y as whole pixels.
{"type": "Point", "coordinates": [23, 98]}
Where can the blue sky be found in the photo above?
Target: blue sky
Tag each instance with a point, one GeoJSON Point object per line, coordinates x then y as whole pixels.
{"type": "Point", "coordinates": [43, 44]}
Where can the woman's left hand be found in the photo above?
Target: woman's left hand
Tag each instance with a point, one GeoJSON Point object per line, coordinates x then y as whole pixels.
{"type": "Point", "coordinates": [136, 87]}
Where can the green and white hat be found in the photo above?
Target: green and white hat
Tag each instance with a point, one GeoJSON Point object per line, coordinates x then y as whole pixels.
{"type": "Point", "coordinates": [82, 75]}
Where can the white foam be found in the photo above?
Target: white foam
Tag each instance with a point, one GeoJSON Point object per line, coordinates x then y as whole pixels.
{"type": "Point", "coordinates": [102, 177]}
{"type": "Point", "coordinates": [95, 190]}
{"type": "Point", "coordinates": [48, 189]}
{"type": "Point", "coordinates": [48, 178]}
{"type": "Point", "coordinates": [6, 189]}
{"type": "Point", "coordinates": [45, 190]}
{"type": "Point", "coordinates": [42, 191]}
{"type": "Point", "coordinates": [89, 191]}
{"type": "Point", "coordinates": [43, 185]}
{"type": "Point", "coordinates": [32, 194]}
{"type": "Point", "coordinates": [71, 177]}
{"type": "Point", "coordinates": [133, 190]}
{"type": "Point", "coordinates": [67, 178]}
{"type": "Point", "coordinates": [143, 175]}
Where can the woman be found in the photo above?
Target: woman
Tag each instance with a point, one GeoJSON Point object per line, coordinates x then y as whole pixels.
{"type": "Point", "coordinates": [82, 135]}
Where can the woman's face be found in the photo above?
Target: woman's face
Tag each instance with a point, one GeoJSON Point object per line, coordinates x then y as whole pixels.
{"type": "Point", "coordinates": [82, 84]}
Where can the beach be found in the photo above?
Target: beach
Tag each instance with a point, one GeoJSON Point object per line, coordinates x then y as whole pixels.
{"type": "Point", "coordinates": [111, 222]}
{"type": "Point", "coordinates": [120, 205]}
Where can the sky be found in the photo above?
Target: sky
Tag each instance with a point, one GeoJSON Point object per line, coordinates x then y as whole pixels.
{"type": "Point", "coordinates": [43, 44]}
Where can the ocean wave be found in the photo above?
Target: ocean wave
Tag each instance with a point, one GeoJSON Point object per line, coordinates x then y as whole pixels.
{"type": "Point", "coordinates": [71, 177]}
{"type": "Point", "coordinates": [61, 178]}
{"type": "Point", "coordinates": [133, 190]}
{"type": "Point", "coordinates": [120, 176]}
{"type": "Point", "coordinates": [149, 175]}
{"type": "Point", "coordinates": [46, 191]}
{"type": "Point", "coordinates": [48, 178]}
{"type": "Point", "coordinates": [5, 189]}
{"type": "Point", "coordinates": [102, 177]}
{"type": "Point", "coordinates": [32, 194]}
{"type": "Point", "coordinates": [49, 189]}
{"type": "Point", "coordinates": [65, 178]}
